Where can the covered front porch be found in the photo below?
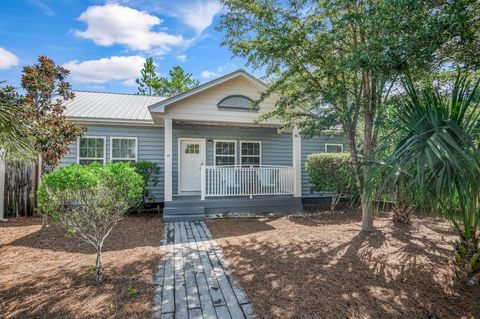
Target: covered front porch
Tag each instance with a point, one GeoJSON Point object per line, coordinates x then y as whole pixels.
{"type": "Point", "coordinates": [237, 169]}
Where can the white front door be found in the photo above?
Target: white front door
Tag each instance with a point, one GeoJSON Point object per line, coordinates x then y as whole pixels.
{"type": "Point", "coordinates": [192, 156]}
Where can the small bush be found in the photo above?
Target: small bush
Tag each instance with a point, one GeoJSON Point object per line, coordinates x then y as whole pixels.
{"type": "Point", "coordinates": [150, 172]}
{"type": "Point", "coordinates": [331, 172]}
{"type": "Point", "coordinates": [89, 200]}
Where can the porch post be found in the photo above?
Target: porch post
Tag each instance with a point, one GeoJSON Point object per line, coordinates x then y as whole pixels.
{"type": "Point", "coordinates": [297, 162]}
{"type": "Point", "coordinates": [203, 185]}
{"type": "Point", "coordinates": [168, 160]}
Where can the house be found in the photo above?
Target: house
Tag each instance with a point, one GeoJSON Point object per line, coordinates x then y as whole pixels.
{"type": "Point", "coordinates": [214, 157]}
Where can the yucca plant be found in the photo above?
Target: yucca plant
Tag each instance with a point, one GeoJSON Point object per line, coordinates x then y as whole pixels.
{"type": "Point", "coordinates": [436, 163]}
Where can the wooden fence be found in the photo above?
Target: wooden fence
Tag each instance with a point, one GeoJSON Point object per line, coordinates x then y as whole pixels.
{"type": "Point", "coordinates": [18, 189]}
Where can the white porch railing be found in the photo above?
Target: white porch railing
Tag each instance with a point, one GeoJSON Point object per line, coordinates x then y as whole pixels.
{"type": "Point", "coordinates": [246, 181]}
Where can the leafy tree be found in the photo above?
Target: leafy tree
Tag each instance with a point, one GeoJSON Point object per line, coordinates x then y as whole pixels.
{"type": "Point", "coordinates": [90, 200]}
{"type": "Point", "coordinates": [436, 162]}
{"type": "Point", "coordinates": [15, 143]}
{"type": "Point", "coordinates": [331, 172]}
{"type": "Point", "coordinates": [334, 63]}
{"type": "Point", "coordinates": [46, 90]}
{"type": "Point", "coordinates": [150, 83]}
{"type": "Point", "coordinates": [42, 110]}
{"type": "Point", "coordinates": [177, 82]}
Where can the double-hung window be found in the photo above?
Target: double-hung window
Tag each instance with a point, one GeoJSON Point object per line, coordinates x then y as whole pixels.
{"type": "Point", "coordinates": [123, 149]}
{"type": "Point", "coordinates": [250, 153]}
{"type": "Point", "coordinates": [225, 153]}
{"type": "Point", "coordinates": [333, 148]}
{"type": "Point", "coordinates": [91, 149]}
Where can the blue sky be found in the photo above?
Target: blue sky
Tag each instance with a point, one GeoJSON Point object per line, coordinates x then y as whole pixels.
{"type": "Point", "coordinates": [104, 43]}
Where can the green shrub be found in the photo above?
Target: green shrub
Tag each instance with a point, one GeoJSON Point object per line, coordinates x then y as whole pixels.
{"type": "Point", "coordinates": [331, 172]}
{"type": "Point", "coordinates": [89, 200]}
{"type": "Point", "coordinates": [150, 172]}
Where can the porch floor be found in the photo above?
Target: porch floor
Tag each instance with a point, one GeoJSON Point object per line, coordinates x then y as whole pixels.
{"type": "Point", "coordinates": [193, 279]}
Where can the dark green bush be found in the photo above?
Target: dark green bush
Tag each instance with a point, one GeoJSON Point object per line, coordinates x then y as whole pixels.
{"type": "Point", "coordinates": [150, 172]}
{"type": "Point", "coordinates": [331, 172]}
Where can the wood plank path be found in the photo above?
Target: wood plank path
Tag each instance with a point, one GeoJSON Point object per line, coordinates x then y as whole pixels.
{"type": "Point", "coordinates": [193, 280]}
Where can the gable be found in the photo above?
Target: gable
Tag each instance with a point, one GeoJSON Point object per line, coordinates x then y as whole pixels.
{"type": "Point", "coordinates": [224, 102]}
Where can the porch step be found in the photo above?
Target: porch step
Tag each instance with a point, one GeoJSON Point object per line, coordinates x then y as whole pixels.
{"type": "Point", "coordinates": [187, 213]}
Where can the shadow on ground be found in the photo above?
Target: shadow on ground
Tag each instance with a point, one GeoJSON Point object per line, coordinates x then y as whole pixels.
{"type": "Point", "coordinates": [323, 267]}
{"type": "Point", "coordinates": [52, 276]}
{"type": "Point", "coordinates": [125, 235]}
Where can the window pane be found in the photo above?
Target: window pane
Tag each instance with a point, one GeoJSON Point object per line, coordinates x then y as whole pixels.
{"type": "Point", "coordinates": [250, 148]}
{"type": "Point", "coordinates": [225, 160]}
{"type": "Point", "coordinates": [192, 149]}
{"type": "Point", "coordinates": [251, 160]}
{"type": "Point", "coordinates": [225, 148]}
{"type": "Point", "coordinates": [334, 148]}
{"type": "Point", "coordinates": [91, 148]}
{"type": "Point", "coordinates": [123, 148]}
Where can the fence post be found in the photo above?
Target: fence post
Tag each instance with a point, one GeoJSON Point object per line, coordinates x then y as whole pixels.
{"type": "Point", "coordinates": [203, 182]}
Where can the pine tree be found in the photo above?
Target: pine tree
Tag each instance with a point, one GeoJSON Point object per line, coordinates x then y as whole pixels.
{"type": "Point", "coordinates": [149, 83]}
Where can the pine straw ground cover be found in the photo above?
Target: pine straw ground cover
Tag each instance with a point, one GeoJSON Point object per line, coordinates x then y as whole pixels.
{"type": "Point", "coordinates": [323, 267]}
{"type": "Point", "coordinates": [52, 277]}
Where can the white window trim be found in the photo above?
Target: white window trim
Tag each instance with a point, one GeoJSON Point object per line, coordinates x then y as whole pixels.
{"type": "Point", "coordinates": [123, 138]}
{"type": "Point", "coordinates": [333, 144]}
{"type": "Point", "coordinates": [259, 156]}
{"type": "Point", "coordinates": [92, 158]}
{"type": "Point", "coordinates": [215, 151]}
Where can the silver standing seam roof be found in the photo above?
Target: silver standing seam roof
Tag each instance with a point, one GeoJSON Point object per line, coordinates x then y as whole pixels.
{"type": "Point", "coordinates": [118, 106]}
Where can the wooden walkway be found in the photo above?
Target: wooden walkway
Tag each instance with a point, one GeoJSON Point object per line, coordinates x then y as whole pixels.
{"type": "Point", "coordinates": [193, 280]}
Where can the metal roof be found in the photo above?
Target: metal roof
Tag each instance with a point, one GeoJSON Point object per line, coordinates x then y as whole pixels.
{"type": "Point", "coordinates": [118, 106]}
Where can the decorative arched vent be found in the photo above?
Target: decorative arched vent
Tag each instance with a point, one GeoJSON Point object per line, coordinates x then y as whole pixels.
{"type": "Point", "coordinates": [237, 102]}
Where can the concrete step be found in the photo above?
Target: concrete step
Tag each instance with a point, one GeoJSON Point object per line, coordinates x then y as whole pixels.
{"type": "Point", "coordinates": [183, 218]}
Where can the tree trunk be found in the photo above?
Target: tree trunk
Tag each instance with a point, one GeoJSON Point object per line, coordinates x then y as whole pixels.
{"type": "Point", "coordinates": [35, 185]}
{"type": "Point", "coordinates": [98, 266]}
{"type": "Point", "coordinates": [335, 199]}
{"type": "Point", "coordinates": [44, 224]}
{"type": "Point", "coordinates": [367, 213]}
{"type": "Point", "coordinates": [402, 212]}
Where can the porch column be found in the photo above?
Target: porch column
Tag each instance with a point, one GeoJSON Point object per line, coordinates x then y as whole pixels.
{"type": "Point", "coordinates": [297, 162]}
{"type": "Point", "coordinates": [168, 160]}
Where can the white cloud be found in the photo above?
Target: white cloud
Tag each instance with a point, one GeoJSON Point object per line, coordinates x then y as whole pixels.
{"type": "Point", "coordinates": [43, 7]}
{"type": "Point", "coordinates": [130, 82]}
{"type": "Point", "coordinates": [197, 14]}
{"type": "Point", "coordinates": [223, 69]}
{"type": "Point", "coordinates": [208, 74]}
{"type": "Point", "coordinates": [7, 59]}
{"type": "Point", "coordinates": [115, 24]}
{"type": "Point", "coordinates": [182, 58]}
{"type": "Point", "coordinates": [106, 69]}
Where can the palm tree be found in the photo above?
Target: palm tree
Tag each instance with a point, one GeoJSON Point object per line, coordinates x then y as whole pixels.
{"type": "Point", "coordinates": [436, 163]}
{"type": "Point", "coordinates": [14, 141]}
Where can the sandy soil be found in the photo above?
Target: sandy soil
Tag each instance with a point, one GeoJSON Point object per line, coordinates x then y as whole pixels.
{"type": "Point", "coordinates": [324, 267]}
{"type": "Point", "coordinates": [52, 276]}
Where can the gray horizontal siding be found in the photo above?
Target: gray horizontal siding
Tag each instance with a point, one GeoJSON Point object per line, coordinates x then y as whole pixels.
{"type": "Point", "coordinates": [276, 148]}
{"type": "Point", "coordinates": [316, 145]}
{"type": "Point", "coordinates": [150, 147]}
